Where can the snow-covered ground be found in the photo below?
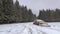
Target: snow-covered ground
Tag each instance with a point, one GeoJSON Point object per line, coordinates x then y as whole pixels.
{"type": "Point", "coordinates": [29, 28]}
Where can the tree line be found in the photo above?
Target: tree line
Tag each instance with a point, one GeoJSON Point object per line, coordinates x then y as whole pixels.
{"type": "Point", "coordinates": [13, 12]}
{"type": "Point", "coordinates": [50, 15]}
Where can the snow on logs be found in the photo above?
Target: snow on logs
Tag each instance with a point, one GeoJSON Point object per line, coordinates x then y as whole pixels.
{"type": "Point", "coordinates": [40, 23]}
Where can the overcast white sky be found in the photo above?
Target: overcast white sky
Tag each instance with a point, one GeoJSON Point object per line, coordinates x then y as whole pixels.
{"type": "Point", "coordinates": [35, 5]}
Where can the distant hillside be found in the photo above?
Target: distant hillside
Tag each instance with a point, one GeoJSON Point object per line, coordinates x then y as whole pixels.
{"type": "Point", "coordinates": [50, 15]}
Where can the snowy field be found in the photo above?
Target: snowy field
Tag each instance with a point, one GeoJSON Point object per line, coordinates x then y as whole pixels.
{"type": "Point", "coordinates": [29, 28]}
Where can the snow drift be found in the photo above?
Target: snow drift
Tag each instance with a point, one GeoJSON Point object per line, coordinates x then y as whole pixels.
{"type": "Point", "coordinates": [28, 28]}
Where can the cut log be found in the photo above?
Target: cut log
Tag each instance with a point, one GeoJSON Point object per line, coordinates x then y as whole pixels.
{"type": "Point", "coordinates": [40, 23]}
